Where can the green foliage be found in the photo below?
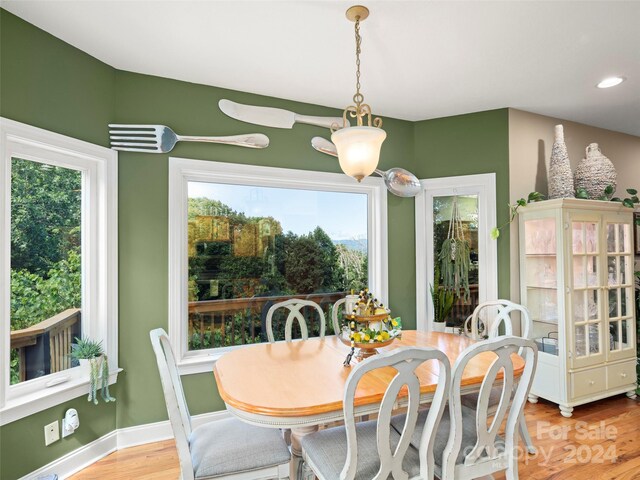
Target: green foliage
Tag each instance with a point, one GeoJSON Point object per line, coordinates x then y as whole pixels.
{"type": "Point", "coordinates": [629, 202]}
{"type": "Point", "coordinates": [45, 215]}
{"type": "Point", "coordinates": [304, 268]}
{"type": "Point", "coordinates": [513, 211]}
{"type": "Point", "coordinates": [454, 258]}
{"type": "Point", "coordinates": [352, 269]}
{"type": "Point", "coordinates": [35, 298]}
{"type": "Point", "coordinates": [443, 299]}
{"type": "Point", "coordinates": [290, 263]}
{"type": "Point", "coordinates": [14, 367]}
{"type": "Point", "coordinates": [85, 348]}
{"type": "Point", "coordinates": [45, 245]}
{"type": "Point", "coordinates": [207, 206]}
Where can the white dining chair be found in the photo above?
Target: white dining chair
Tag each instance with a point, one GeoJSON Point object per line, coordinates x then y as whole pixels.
{"type": "Point", "coordinates": [487, 320]}
{"type": "Point", "coordinates": [374, 450]}
{"type": "Point", "coordinates": [467, 444]}
{"type": "Point", "coordinates": [340, 304]}
{"type": "Point", "coordinates": [295, 307]}
{"type": "Point", "coordinates": [223, 449]}
{"type": "Point", "coordinates": [488, 317]}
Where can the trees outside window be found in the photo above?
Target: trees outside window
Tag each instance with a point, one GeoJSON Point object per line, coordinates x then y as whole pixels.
{"type": "Point", "coordinates": [243, 237]}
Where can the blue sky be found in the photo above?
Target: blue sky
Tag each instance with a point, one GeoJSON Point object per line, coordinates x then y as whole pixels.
{"type": "Point", "coordinates": [341, 215]}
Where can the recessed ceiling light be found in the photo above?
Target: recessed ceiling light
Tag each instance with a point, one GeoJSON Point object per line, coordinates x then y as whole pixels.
{"type": "Point", "coordinates": [610, 82]}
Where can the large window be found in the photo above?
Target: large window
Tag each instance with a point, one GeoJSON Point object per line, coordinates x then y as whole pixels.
{"type": "Point", "coordinates": [58, 263]}
{"type": "Point", "coordinates": [254, 236]}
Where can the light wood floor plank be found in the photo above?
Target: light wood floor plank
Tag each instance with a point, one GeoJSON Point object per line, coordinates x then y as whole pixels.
{"type": "Point", "coordinates": [573, 456]}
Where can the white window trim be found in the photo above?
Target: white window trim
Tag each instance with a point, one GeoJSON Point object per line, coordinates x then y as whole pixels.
{"type": "Point", "coordinates": [483, 185]}
{"type": "Point", "coordinates": [182, 171]}
{"type": "Point", "coordinates": [99, 261]}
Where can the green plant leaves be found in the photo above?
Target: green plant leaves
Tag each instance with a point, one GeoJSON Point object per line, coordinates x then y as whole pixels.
{"type": "Point", "coordinates": [535, 197]}
{"type": "Point", "coordinates": [582, 193]}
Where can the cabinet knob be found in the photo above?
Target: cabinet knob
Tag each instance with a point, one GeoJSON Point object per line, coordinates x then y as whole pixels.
{"type": "Point", "coordinates": [592, 382]}
{"type": "Point", "coordinates": [623, 375]}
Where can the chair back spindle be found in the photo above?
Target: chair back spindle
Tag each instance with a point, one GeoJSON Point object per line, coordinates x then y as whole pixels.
{"type": "Point", "coordinates": [294, 306]}
{"type": "Point", "coordinates": [489, 454]}
{"type": "Point", "coordinates": [405, 361]}
{"type": "Point", "coordinates": [174, 398]}
{"type": "Point", "coordinates": [488, 317]}
{"type": "Point", "coordinates": [334, 315]}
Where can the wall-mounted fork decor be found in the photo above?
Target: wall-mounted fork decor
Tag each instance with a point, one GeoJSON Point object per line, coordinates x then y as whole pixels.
{"type": "Point", "coordinates": [161, 139]}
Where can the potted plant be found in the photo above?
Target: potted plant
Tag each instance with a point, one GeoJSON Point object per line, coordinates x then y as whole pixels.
{"type": "Point", "coordinates": [443, 300]}
{"type": "Point", "coordinates": [93, 360]}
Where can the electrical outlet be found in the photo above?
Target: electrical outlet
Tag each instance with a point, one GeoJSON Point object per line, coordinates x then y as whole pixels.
{"type": "Point", "coordinates": [51, 433]}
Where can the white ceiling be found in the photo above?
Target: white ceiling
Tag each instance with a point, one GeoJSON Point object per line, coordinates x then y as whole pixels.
{"type": "Point", "coordinates": [420, 59]}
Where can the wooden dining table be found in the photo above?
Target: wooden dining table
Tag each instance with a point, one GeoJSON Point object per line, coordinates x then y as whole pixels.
{"type": "Point", "coordinates": [299, 385]}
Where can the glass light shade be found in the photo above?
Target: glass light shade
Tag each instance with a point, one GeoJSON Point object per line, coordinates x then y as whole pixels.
{"type": "Point", "coordinates": [358, 149]}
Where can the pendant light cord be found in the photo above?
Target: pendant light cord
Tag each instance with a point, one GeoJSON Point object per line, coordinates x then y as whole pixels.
{"type": "Point", "coordinates": [358, 98]}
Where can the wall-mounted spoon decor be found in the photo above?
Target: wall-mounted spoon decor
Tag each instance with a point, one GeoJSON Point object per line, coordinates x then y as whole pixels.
{"type": "Point", "coordinates": [161, 139]}
{"type": "Point", "coordinates": [273, 117]}
{"type": "Point", "coordinates": [399, 181]}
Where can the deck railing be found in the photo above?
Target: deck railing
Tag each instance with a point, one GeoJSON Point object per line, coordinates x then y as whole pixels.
{"type": "Point", "coordinates": [240, 321]}
{"type": "Point", "coordinates": [44, 348]}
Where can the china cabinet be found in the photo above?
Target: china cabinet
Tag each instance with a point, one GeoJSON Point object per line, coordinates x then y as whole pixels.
{"type": "Point", "coordinates": [576, 279]}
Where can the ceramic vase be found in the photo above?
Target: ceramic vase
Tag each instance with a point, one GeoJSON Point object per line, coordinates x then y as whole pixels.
{"type": "Point", "coordinates": [595, 172]}
{"type": "Point", "coordinates": [560, 175]}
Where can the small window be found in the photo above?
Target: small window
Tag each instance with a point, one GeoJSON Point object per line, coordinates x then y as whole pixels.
{"type": "Point", "coordinates": [58, 264]}
{"type": "Point", "coordinates": [255, 236]}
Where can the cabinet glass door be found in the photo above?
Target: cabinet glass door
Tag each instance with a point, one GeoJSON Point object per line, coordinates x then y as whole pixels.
{"type": "Point", "coordinates": [620, 296]}
{"type": "Point", "coordinates": [541, 280]}
{"type": "Point", "coordinates": [587, 286]}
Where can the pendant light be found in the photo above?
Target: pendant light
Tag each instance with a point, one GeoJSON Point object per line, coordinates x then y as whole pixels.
{"type": "Point", "coordinates": [358, 146]}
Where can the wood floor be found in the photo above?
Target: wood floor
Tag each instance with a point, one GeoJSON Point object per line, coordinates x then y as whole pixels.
{"type": "Point", "coordinates": [600, 442]}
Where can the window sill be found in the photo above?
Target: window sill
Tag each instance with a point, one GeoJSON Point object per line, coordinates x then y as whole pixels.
{"type": "Point", "coordinates": [41, 400]}
{"type": "Point", "coordinates": [199, 364]}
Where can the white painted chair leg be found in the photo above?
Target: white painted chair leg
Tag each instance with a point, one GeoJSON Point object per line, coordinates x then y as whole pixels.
{"type": "Point", "coordinates": [307, 473]}
{"type": "Point", "coordinates": [511, 473]}
{"type": "Point", "coordinates": [526, 437]}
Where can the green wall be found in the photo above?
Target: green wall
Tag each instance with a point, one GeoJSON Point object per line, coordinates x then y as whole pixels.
{"type": "Point", "coordinates": [466, 145]}
{"type": "Point", "coordinates": [193, 109]}
{"type": "Point", "coordinates": [49, 84]}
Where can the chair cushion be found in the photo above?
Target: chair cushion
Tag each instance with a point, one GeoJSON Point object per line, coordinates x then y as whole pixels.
{"type": "Point", "coordinates": [471, 399]}
{"type": "Point", "coordinates": [327, 451]}
{"type": "Point", "coordinates": [230, 446]}
{"type": "Point", "coordinates": [469, 435]}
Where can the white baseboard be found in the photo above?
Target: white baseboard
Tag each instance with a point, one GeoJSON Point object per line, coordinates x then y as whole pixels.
{"type": "Point", "coordinates": [158, 431]}
{"type": "Point", "coordinates": [79, 458]}
{"type": "Point", "coordinates": [90, 453]}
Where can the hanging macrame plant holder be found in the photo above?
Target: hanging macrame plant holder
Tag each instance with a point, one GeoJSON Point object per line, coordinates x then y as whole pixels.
{"type": "Point", "coordinates": [454, 256]}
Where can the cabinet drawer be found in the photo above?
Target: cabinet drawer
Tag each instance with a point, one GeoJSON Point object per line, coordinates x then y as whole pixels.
{"type": "Point", "coordinates": [588, 382]}
{"type": "Point", "coordinates": [621, 374]}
